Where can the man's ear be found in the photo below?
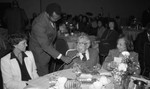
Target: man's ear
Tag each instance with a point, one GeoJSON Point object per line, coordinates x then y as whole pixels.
{"type": "Point", "coordinates": [88, 45]}
{"type": "Point", "coordinates": [14, 46]}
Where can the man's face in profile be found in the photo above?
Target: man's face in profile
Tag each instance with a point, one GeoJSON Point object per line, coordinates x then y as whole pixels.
{"type": "Point", "coordinates": [55, 17]}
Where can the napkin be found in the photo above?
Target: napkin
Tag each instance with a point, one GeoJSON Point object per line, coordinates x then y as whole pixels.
{"type": "Point", "coordinates": [104, 80]}
{"type": "Point", "coordinates": [96, 85]}
{"type": "Point", "coordinates": [61, 82]}
{"type": "Point", "coordinates": [106, 74]}
{"type": "Point", "coordinates": [32, 88]}
{"type": "Point", "coordinates": [86, 76]}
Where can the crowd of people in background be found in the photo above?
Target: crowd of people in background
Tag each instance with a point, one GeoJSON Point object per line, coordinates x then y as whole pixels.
{"type": "Point", "coordinates": [106, 29]}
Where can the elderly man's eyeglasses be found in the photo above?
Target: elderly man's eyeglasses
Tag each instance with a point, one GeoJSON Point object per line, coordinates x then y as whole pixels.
{"type": "Point", "coordinates": [83, 43]}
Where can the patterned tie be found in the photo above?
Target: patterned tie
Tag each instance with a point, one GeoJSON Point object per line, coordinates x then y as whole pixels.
{"type": "Point", "coordinates": [84, 57]}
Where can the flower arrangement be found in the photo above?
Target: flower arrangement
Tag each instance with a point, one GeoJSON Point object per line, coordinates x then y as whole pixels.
{"type": "Point", "coordinates": [120, 70]}
{"type": "Point", "coordinates": [83, 68]}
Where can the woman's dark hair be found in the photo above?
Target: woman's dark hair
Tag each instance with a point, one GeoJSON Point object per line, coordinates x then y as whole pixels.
{"type": "Point", "coordinates": [128, 42]}
{"type": "Point", "coordinates": [14, 39]}
{"type": "Point", "coordinates": [116, 28]}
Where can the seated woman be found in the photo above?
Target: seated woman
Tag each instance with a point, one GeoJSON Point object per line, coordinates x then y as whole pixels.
{"type": "Point", "coordinates": [108, 39]}
{"type": "Point", "coordinates": [84, 56]}
{"type": "Point", "coordinates": [101, 29]}
{"type": "Point", "coordinates": [123, 44]}
{"type": "Point", "coordinates": [18, 67]}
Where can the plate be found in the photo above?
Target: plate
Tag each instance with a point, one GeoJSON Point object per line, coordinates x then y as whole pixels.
{"type": "Point", "coordinates": [106, 74]}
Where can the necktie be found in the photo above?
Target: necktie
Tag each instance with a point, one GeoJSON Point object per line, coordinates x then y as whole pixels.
{"type": "Point", "coordinates": [84, 57]}
{"type": "Point", "coordinates": [53, 25]}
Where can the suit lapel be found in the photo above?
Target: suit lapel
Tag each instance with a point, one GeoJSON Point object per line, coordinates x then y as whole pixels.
{"type": "Point", "coordinates": [108, 34]}
{"type": "Point", "coordinates": [51, 31]}
{"type": "Point", "coordinates": [28, 65]}
{"type": "Point", "coordinates": [15, 67]}
{"type": "Point", "coordinates": [89, 54]}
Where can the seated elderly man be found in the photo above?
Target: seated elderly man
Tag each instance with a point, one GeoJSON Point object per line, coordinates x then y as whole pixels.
{"type": "Point", "coordinates": [83, 56]}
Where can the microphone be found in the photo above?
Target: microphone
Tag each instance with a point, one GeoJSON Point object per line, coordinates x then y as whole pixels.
{"type": "Point", "coordinates": [77, 55]}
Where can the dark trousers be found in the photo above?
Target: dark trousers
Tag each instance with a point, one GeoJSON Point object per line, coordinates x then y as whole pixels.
{"type": "Point", "coordinates": [102, 58]}
{"type": "Point", "coordinates": [141, 61]}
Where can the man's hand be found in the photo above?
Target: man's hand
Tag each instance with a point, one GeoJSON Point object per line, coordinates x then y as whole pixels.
{"type": "Point", "coordinates": [66, 59]}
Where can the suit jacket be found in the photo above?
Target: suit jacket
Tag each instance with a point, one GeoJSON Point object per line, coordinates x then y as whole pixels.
{"type": "Point", "coordinates": [93, 58]}
{"type": "Point", "coordinates": [43, 36]}
{"type": "Point", "coordinates": [11, 71]}
{"type": "Point", "coordinates": [115, 53]}
{"type": "Point", "coordinates": [140, 41]}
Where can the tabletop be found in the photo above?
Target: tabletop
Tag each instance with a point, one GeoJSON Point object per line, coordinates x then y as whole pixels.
{"type": "Point", "coordinates": [132, 33]}
{"type": "Point", "coordinates": [44, 81]}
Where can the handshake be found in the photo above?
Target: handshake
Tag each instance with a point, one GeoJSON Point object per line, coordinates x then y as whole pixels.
{"type": "Point", "coordinates": [67, 59]}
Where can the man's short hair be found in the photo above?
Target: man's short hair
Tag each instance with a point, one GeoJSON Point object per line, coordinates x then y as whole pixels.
{"type": "Point", "coordinates": [83, 36]}
{"type": "Point", "coordinates": [53, 7]}
{"type": "Point", "coordinates": [83, 39]}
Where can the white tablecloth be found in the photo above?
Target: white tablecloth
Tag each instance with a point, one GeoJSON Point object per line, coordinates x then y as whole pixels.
{"type": "Point", "coordinates": [43, 82]}
{"type": "Point", "coordinates": [131, 33]}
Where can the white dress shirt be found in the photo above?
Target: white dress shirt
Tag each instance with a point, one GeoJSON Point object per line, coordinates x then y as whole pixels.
{"type": "Point", "coordinates": [86, 54]}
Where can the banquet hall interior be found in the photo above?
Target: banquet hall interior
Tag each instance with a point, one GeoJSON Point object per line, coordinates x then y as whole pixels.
{"type": "Point", "coordinates": [131, 17]}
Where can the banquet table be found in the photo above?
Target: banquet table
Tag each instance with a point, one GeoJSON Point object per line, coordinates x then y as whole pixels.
{"type": "Point", "coordinates": [131, 33]}
{"type": "Point", "coordinates": [43, 82]}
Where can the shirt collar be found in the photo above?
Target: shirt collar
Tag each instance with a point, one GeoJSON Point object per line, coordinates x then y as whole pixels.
{"type": "Point", "coordinates": [86, 54]}
{"type": "Point", "coordinates": [13, 55]}
{"type": "Point", "coordinates": [148, 34]}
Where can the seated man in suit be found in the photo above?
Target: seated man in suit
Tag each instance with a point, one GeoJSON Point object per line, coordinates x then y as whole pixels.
{"type": "Point", "coordinates": [84, 56]}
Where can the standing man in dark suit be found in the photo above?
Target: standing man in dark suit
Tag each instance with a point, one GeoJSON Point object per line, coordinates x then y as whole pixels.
{"type": "Point", "coordinates": [43, 36]}
{"type": "Point", "coordinates": [140, 42]}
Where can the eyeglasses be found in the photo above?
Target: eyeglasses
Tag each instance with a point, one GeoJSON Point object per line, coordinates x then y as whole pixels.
{"type": "Point", "coordinates": [83, 43]}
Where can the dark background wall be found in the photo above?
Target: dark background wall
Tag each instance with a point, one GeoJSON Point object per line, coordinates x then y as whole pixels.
{"type": "Point", "coordinates": [123, 8]}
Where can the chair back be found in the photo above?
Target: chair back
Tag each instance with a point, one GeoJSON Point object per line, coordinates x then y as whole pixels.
{"type": "Point", "coordinates": [146, 60]}
{"type": "Point", "coordinates": [62, 47]}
